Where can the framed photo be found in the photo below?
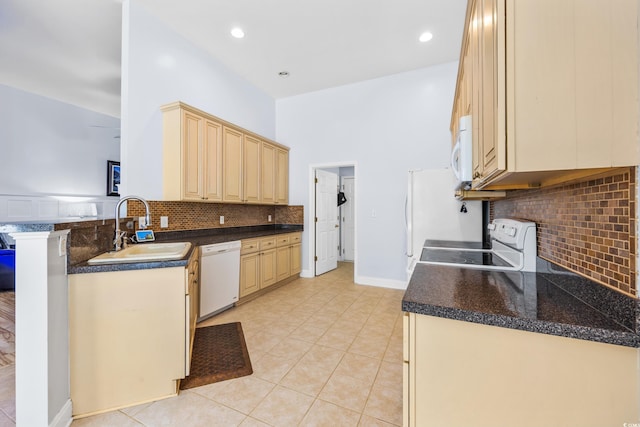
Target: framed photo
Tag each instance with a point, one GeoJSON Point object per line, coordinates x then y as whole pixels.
{"type": "Point", "coordinates": [113, 178]}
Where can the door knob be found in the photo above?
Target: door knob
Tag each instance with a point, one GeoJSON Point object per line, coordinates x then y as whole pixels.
{"type": "Point", "coordinates": [336, 226]}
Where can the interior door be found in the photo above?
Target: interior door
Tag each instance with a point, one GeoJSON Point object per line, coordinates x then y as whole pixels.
{"type": "Point", "coordinates": [347, 229]}
{"type": "Point", "coordinates": [327, 221]}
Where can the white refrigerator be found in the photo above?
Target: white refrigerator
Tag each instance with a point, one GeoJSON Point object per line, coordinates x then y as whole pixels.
{"type": "Point", "coordinates": [433, 212]}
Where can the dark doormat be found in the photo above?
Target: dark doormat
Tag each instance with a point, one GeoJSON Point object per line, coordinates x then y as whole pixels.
{"type": "Point", "coordinates": [219, 353]}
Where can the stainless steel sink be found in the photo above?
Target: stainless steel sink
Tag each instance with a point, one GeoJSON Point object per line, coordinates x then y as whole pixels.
{"type": "Point", "coordinates": [144, 252]}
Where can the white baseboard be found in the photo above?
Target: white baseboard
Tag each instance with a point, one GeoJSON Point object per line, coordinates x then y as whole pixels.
{"type": "Point", "coordinates": [382, 283]}
{"type": "Point", "coordinates": [308, 274]}
{"type": "Point", "coordinates": [63, 418]}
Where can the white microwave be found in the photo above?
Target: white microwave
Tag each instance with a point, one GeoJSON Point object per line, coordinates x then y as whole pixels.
{"type": "Point", "coordinates": [462, 155]}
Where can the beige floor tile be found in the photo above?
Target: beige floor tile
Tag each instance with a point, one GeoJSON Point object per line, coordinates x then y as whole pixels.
{"type": "Point", "coordinates": [272, 368]}
{"type": "Point", "coordinates": [369, 346]}
{"type": "Point", "coordinates": [325, 414]}
{"type": "Point", "coordinates": [346, 392]}
{"type": "Point", "coordinates": [385, 403]}
{"type": "Point", "coordinates": [261, 341]}
{"type": "Point", "coordinates": [390, 375]}
{"type": "Point", "coordinates": [336, 339]}
{"type": "Point", "coordinates": [189, 409]}
{"type": "Point", "coordinates": [242, 394]}
{"type": "Point", "coordinates": [308, 332]}
{"type": "Point", "coordinates": [283, 407]}
{"type": "Point", "coordinates": [367, 421]}
{"type": "Point", "coordinates": [290, 349]}
{"type": "Point", "coordinates": [252, 422]}
{"type": "Point", "coordinates": [307, 378]}
{"type": "Point", "coordinates": [133, 410]}
{"type": "Point", "coordinates": [359, 367]}
{"type": "Point", "coordinates": [326, 358]}
{"type": "Point", "coordinates": [114, 418]}
{"type": "Point", "coordinates": [394, 350]}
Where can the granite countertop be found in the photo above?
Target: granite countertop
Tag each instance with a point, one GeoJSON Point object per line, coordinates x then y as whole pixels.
{"type": "Point", "coordinates": [552, 301]}
{"type": "Point", "coordinates": [196, 237]}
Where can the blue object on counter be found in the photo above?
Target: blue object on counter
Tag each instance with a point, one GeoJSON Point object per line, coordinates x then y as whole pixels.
{"type": "Point", "coordinates": [7, 269]}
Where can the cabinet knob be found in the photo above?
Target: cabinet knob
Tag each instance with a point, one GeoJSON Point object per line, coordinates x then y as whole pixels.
{"type": "Point", "coordinates": [476, 175]}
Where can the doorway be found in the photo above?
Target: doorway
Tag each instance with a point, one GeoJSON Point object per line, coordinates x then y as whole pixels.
{"type": "Point", "coordinates": [332, 239]}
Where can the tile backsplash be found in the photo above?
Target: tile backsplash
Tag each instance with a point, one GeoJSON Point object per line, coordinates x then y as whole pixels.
{"type": "Point", "coordinates": [588, 227]}
{"type": "Point", "coordinates": [196, 215]}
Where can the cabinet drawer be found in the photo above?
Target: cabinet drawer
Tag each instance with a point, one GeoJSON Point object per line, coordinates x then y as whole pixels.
{"type": "Point", "coordinates": [267, 243]}
{"type": "Point", "coordinates": [295, 238]}
{"type": "Point", "coordinates": [250, 246]}
{"type": "Point", "coordinates": [283, 240]}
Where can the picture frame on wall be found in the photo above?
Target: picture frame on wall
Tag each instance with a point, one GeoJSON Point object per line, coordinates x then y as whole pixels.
{"type": "Point", "coordinates": [113, 178]}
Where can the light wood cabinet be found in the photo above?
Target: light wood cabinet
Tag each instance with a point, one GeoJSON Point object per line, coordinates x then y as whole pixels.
{"type": "Point", "coordinates": [268, 168]}
{"type": "Point", "coordinates": [258, 268]}
{"type": "Point", "coordinates": [192, 156]}
{"type": "Point", "coordinates": [269, 260]}
{"type": "Point", "coordinates": [208, 159]}
{"type": "Point", "coordinates": [252, 160]}
{"type": "Point", "coordinates": [119, 322]}
{"type": "Point", "coordinates": [282, 176]}
{"type": "Point", "coordinates": [498, 374]}
{"type": "Point", "coordinates": [554, 89]}
{"type": "Point", "coordinates": [232, 148]}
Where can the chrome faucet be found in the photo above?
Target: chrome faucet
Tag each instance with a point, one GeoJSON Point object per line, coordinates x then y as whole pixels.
{"type": "Point", "coordinates": [117, 242]}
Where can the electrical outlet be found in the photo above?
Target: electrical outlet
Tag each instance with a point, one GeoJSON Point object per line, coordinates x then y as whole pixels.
{"type": "Point", "coordinates": [221, 219]}
{"type": "Point", "coordinates": [164, 221]}
{"type": "Point", "coordinates": [269, 219]}
{"type": "Point", "coordinates": [142, 222]}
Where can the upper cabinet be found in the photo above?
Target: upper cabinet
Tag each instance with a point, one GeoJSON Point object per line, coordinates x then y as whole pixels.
{"type": "Point", "coordinates": [210, 160]}
{"type": "Point", "coordinates": [552, 88]}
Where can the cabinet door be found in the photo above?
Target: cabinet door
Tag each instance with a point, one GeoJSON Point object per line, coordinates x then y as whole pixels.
{"type": "Point", "coordinates": [476, 89]}
{"type": "Point", "coordinates": [192, 154]}
{"type": "Point", "coordinates": [232, 165]}
{"type": "Point", "coordinates": [282, 177]}
{"type": "Point", "coordinates": [488, 52]}
{"type": "Point", "coordinates": [249, 274]}
{"type": "Point", "coordinates": [268, 173]}
{"type": "Point", "coordinates": [296, 259]}
{"type": "Point", "coordinates": [251, 165]}
{"type": "Point", "coordinates": [212, 161]}
{"type": "Point", "coordinates": [284, 262]}
{"type": "Point", "coordinates": [268, 268]}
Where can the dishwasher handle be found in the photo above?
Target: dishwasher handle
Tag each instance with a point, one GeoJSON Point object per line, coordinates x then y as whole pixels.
{"type": "Point", "coordinates": [209, 250]}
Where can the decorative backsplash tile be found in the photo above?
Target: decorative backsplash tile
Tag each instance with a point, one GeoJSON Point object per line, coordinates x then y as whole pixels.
{"type": "Point", "coordinates": [196, 215]}
{"type": "Point", "coordinates": [588, 227]}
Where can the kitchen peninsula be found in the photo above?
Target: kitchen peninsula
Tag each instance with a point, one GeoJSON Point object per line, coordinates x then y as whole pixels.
{"type": "Point", "coordinates": [496, 348]}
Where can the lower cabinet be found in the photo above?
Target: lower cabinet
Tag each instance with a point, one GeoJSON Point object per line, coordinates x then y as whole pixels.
{"type": "Point", "coordinates": [130, 335]}
{"type": "Point", "coordinates": [266, 261]}
{"type": "Point", "coordinates": [458, 373]}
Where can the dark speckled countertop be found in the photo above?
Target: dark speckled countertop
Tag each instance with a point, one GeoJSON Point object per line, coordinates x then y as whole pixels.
{"type": "Point", "coordinates": [552, 301]}
{"type": "Point", "coordinates": [196, 237]}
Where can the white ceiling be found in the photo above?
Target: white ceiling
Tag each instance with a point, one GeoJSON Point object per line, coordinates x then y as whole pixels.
{"type": "Point", "coordinates": [70, 49]}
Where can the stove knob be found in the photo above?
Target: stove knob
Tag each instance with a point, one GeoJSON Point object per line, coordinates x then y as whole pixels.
{"type": "Point", "coordinates": [512, 231]}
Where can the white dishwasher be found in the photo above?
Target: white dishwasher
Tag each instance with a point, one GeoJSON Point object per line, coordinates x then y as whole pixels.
{"type": "Point", "coordinates": [219, 277]}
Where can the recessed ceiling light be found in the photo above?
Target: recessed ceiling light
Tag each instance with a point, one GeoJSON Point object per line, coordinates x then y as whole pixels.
{"type": "Point", "coordinates": [425, 37]}
{"type": "Point", "coordinates": [237, 33]}
{"type": "Point", "coordinates": [283, 74]}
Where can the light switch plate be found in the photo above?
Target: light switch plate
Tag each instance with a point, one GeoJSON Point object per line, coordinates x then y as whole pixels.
{"type": "Point", "coordinates": [164, 221]}
{"type": "Point", "coordinates": [221, 219]}
{"type": "Point", "coordinates": [269, 218]}
{"type": "Point", "coordinates": [142, 222]}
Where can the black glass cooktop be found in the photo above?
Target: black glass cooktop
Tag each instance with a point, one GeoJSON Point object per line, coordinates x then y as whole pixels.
{"type": "Point", "coordinates": [463, 257]}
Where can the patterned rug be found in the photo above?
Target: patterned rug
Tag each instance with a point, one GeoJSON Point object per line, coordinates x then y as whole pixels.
{"type": "Point", "coordinates": [219, 353]}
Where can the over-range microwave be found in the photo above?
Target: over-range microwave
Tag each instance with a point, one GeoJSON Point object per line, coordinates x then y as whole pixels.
{"type": "Point", "coordinates": [462, 155]}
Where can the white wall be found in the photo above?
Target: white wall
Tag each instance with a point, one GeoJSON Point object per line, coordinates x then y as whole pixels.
{"type": "Point", "coordinates": [158, 67]}
{"type": "Point", "coordinates": [388, 126]}
{"type": "Point", "coordinates": [48, 147]}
